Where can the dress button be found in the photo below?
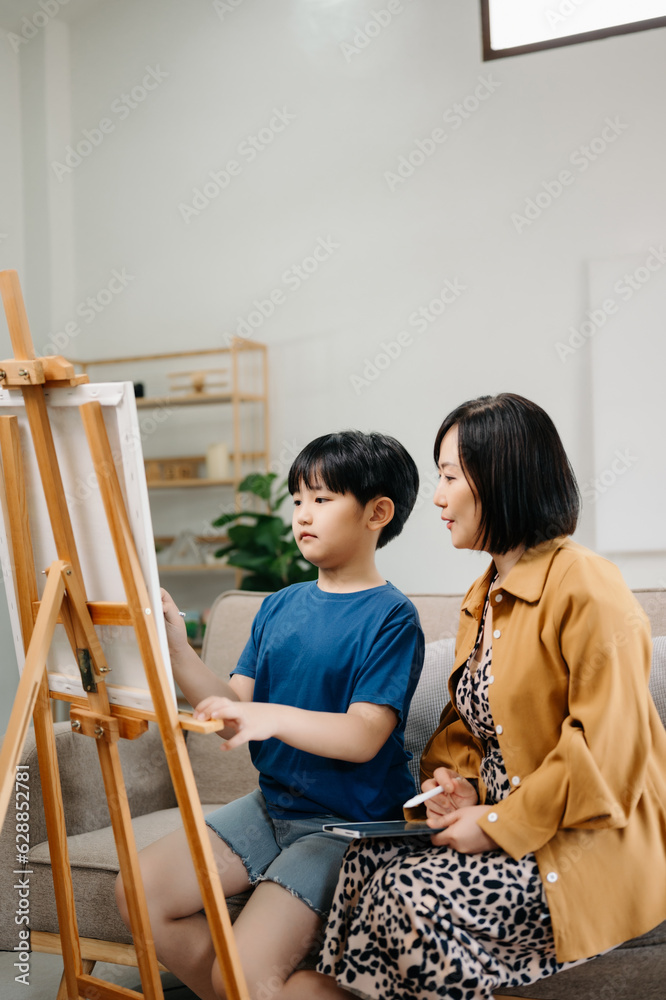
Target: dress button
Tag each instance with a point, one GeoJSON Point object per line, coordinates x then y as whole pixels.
{"type": "Point", "coordinates": [492, 817]}
{"type": "Point", "coordinates": [552, 877]}
{"type": "Point", "coordinates": [515, 780]}
{"type": "Point", "coordinates": [496, 634]}
{"type": "Point", "coordinates": [491, 679]}
{"type": "Point", "coordinates": [499, 730]}
{"type": "Point", "coordinates": [498, 599]}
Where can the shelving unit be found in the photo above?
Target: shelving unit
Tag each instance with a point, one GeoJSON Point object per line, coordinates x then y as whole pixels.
{"type": "Point", "coordinates": [177, 427]}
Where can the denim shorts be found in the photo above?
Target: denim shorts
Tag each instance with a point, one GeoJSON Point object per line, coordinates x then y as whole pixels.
{"type": "Point", "coordinates": [295, 853]}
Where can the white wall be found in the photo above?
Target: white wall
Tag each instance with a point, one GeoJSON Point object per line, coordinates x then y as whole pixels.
{"type": "Point", "coordinates": [11, 185]}
{"type": "Point", "coordinates": [218, 73]}
{"type": "Point", "coordinates": [11, 256]}
{"type": "Point", "coordinates": [324, 177]}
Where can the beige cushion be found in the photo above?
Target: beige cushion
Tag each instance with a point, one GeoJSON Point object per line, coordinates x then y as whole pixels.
{"type": "Point", "coordinates": [220, 777]}
{"type": "Point", "coordinates": [94, 863]}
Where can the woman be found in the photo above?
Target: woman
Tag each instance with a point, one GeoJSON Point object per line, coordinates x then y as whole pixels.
{"type": "Point", "coordinates": [551, 756]}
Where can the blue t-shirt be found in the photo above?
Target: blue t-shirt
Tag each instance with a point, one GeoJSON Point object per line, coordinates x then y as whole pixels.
{"type": "Point", "coordinates": [321, 651]}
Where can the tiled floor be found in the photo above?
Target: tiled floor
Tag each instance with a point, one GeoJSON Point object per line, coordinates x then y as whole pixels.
{"type": "Point", "coordinates": [46, 970]}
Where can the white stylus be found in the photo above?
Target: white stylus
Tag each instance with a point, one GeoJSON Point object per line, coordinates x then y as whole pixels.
{"type": "Point", "coordinates": [423, 797]}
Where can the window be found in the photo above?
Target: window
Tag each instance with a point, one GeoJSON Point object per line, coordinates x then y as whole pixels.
{"type": "Point", "coordinates": [511, 27]}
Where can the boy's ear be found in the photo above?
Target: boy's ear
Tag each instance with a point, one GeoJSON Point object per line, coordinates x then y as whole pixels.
{"type": "Point", "coordinates": [381, 512]}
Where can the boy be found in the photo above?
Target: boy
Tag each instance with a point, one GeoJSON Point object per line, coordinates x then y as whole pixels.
{"type": "Point", "coordinates": [322, 691]}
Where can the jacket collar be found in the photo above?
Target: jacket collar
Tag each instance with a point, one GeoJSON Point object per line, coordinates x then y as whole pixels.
{"type": "Point", "coordinates": [525, 580]}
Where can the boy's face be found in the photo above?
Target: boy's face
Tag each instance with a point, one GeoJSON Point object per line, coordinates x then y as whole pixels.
{"type": "Point", "coordinates": [328, 527]}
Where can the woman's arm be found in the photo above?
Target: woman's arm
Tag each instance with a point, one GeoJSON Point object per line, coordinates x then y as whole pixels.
{"type": "Point", "coordinates": [356, 735]}
{"type": "Point", "coordinates": [593, 776]}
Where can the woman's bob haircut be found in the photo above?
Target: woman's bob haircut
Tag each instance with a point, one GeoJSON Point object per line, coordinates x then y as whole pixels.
{"type": "Point", "coordinates": [513, 458]}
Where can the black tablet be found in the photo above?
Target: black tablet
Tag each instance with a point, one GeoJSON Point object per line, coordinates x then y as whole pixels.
{"type": "Point", "coordinates": [388, 828]}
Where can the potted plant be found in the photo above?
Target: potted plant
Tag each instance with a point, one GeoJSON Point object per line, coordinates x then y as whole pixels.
{"type": "Point", "coordinates": [261, 543]}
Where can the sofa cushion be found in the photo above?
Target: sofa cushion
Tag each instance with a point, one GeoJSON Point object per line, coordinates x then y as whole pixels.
{"type": "Point", "coordinates": [617, 975]}
{"type": "Point", "coordinates": [94, 864]}
{"type": "Point", "coordinates": [658, 675]}
{"type": "Point", "coordinates": [97, 848]}
{"type": "Point", "coordinates": [432, 695]}
{"type": "Point", "coordinates": [429, 699]}
{"type": "Point", "coordinates": [220, 777]}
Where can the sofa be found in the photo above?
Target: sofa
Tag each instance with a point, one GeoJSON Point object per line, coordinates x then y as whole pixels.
{"type": "Point", "coordinates": [636, 969]}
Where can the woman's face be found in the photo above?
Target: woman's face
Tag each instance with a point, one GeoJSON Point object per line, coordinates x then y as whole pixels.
{"type": "Point", "coordinates": [461, 511]}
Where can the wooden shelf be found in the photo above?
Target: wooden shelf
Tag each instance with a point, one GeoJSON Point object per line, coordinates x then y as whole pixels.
{"type": "Point", "coordinates": [198, 399]}
{"type": "Point", "coordinates": [194, 568]}
{"type": "Point", "coordinates": [243, 421]}
{"type": "Point", "coordinates": [221, 539]}
{"type": "Point", "coordinates": [178, 484]}
{"type": "Point", "coordinates": [238, 344]}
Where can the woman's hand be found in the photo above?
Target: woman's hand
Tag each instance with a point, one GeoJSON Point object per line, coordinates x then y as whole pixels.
{"type": "Point", "coordinates": [247, 720]}
{"type": "Point", "coordinates": [462, 832]}
{"type": "Point", "coordinates": [458, 793]}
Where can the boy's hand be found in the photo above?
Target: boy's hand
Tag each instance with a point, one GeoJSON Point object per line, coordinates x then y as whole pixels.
{"type": "Point", "coordinates": [462, 832]}
{"type": "Point", "coordinates": [175, 625]}
{"type": "Point", "coordinates": [248, 720]}
{"type": "Point", "coordinates": [458, 793]}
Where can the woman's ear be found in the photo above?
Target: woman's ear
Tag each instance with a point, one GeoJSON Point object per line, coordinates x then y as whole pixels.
{"type": "Point", "coordinates": [381, 512]}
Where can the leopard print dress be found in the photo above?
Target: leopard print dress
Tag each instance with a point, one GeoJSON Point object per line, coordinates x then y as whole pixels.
{"type": "Point", "coordinates": [415, 922]}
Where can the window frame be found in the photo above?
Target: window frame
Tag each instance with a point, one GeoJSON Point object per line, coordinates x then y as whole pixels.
{"type": "Point", "coordinates": [490, 53]}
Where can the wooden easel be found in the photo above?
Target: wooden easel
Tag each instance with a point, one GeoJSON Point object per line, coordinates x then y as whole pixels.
{"type": "Point", "coordinates": [64, 599]}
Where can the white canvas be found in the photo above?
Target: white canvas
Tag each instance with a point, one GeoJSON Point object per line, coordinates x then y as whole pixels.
{"type": "Point", "coordinates": [126, 683]}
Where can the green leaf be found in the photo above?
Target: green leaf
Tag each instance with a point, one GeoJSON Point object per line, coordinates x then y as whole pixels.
{"type": "Point", "coordinates": [298, 573]}
{"type": "Point", "coordinates": [261, 581]}
{"type": "Point", "coordinates": [243, 535]}
{"type": "Point", "coordinates": [223, 551]}
{"type": "Point", "coordinates": [280, 566]}
{"type": "Point", "coordinates": [226, 518]}
{"type": "Point", "coordinates": [280, 499]}
{"type": "Point", "coordinates": [258, 483]}
{"type": "Point", "coordinates": [269, 533]}
{"type": "Point", "coordinates": [262, 543]}
{"type": "Point", "coordinates": [248, 560]}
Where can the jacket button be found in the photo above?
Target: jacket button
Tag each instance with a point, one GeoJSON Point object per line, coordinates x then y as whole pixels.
{"type": "Point", "coordinates": [498, 599]}
{"type": "Point", "coordinates": [499, 730]}
{"type": "Point", "coordinates": [496, 634]}
{"type": "Point", "coordinates": [515, 780]}
{"type": "Point", "coordinates": [492, 817]}
{"type": "Point", "coordinates": [552, 877]}
{"type": "Point", "coordinates": [491, 679]}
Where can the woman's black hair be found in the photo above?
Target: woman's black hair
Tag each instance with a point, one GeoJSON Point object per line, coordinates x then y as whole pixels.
{"type": "Point", "coordinates": [365, 465]}
{"type": "Point", "coordinates": [513, 458]}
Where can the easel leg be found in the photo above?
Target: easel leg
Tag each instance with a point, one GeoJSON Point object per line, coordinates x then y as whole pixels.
{"type": "Point", "coordinates": [87, 966]}
{"type": "Point", "coordinates": [29, 684]}
{"type": "Point", "coordinates": [33, 693]}
{"type": "Point", "coordinates": [121, 822]}
{"type": "Point", "coordinates": [165, 709]}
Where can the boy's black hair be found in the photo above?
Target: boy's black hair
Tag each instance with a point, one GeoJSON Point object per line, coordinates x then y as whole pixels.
{"type": "Point", "coordinates": [512, 456]}
{"type": "Point", "coordinates": [365, 465]}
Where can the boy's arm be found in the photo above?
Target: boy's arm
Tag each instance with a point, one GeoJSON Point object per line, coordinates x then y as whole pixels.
{"type": "Point", "coordinates": [356, 735]}
{"type": "Point", "coordinates": [194, 678]}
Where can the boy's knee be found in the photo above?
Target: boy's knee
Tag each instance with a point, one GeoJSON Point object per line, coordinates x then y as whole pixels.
{"type": "Point", "coordinates": [121, 899]}
{"type": "Point", "coordinates": [218, 982]}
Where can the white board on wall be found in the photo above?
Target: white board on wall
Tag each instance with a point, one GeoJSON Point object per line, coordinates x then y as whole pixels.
{"type": "Point", "coordinates": [627, 333]}
{"type": "Point", "coordinates": [126, 683]}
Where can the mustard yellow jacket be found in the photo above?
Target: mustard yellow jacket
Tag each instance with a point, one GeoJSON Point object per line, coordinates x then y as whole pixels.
{"type": "Point", "coordinates": [583, 744]}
